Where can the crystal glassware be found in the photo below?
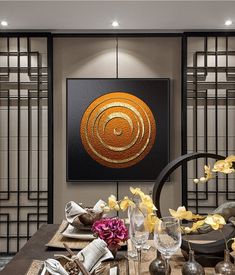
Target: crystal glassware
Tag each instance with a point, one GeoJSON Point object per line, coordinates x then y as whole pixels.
{"type": "Point", "coordinates": [138, 232]}
{"type": "Point", "coordinates": [132, 254]}
{"type": "Point", "coordinates": [167, 238]}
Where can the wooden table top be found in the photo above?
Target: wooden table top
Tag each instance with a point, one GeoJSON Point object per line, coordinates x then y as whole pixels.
{"type": "Point", "coordinates": [33, 249]}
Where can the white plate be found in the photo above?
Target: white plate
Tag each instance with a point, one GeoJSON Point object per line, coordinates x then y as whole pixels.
{"type": "Point", "coordinates": [72, 232]}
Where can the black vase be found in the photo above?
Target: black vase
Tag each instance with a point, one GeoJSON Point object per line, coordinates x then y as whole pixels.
{"type": "Point", "coordinates": [191, 267]}
{"type": "Point", "coordinates": [158, 266]}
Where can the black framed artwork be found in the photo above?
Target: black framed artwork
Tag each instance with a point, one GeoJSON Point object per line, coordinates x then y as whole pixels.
{"type": "Point", "coordinates": [117, 129]}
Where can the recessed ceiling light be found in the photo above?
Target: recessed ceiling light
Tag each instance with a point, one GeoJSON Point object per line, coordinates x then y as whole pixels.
{"type": "Point", "coordinates": [228, 22]}
{"type": "Point", "coordinates": [4, 23]}
{"type": "Point", "coordinates": [115, 24]}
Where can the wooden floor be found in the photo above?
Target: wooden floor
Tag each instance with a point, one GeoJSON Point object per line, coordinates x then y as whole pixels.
{"type": "Point", "coordinates": [4, 260]}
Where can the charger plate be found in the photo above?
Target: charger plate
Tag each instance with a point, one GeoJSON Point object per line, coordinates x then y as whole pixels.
{"type": "Point", "coordinates": [74, 233]}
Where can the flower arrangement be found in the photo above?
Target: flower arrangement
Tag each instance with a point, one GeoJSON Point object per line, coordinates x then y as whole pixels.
{"type": "Point", "coordinates": [225, 166]}
{"type": "Point", "coordinates": [138, 199]}
{"type": "Point", "coordinates": [112, 230]}
{"type": "Point", "coordinates": [216, 222]}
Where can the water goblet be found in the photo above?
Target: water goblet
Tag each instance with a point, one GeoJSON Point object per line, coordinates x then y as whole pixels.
{"type": "Point", "coordinates": [167, 238]}
{"type": "Point", "coordinates": [138, 231]}
{"type": "Point", "coordinates": [132, 254]}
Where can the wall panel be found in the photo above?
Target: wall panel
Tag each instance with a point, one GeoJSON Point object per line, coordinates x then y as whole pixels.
{"type": "Point", "coordinates": [24, 92]}
{"type": "Point", "coordinates": [210, 103]}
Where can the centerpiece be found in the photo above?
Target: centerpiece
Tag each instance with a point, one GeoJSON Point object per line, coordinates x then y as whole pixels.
{"type": "Point", "coordinates": [113, 231]}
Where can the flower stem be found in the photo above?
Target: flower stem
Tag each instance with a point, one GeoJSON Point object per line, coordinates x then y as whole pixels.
{"type": "Point", "coordinates": [225, 241]}
{"type": "Point", "coordinates": [189, 245]}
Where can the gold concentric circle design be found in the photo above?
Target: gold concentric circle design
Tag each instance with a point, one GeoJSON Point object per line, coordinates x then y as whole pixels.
{"type": "Point", "coordinates": [118, 130]}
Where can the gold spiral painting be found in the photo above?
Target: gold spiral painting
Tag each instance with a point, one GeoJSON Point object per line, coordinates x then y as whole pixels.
{"type": "Point", "coordinates": [118, 130]}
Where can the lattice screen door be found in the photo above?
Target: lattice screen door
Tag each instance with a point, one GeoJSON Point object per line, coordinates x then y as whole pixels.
{"type": "Point", "coordinates": [208, 115]}
{"type": "Point", "coordinates": [25, 137]}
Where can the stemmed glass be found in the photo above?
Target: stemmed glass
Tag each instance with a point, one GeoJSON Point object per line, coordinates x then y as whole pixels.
{"type": "Point", "coordinates": [132, 254]}
{"type": "Point", "coordinates": [167, 238]}
{"type": "Point", "coordinates": [138, 232]}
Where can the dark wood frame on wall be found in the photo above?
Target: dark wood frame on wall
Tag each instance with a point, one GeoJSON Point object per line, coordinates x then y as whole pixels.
{"type": "Point", "coordinates": [49, 191]}
{"type": "Point", "coordinates": [184, 146]}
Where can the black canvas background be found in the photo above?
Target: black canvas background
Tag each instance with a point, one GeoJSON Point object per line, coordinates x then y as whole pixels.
{"type": "Point", "coordinates": [80, 94]}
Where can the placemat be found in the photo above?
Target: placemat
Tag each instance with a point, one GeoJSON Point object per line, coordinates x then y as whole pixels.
{"type": "Point", "coordinates": [122, 263]}
{"type": "Point", "coordinates": [176, 262]}
{"type": "Point", "coordinates": [58, 239]}
{"type": "Point", "coordinates": [34, 268]}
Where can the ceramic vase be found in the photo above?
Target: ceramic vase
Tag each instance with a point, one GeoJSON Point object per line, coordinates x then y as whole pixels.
{"type": "Point", "coordinates": [191, 267]}
{"type": "Point", "coordinates": [157, 266]}
{"type": "Point", "coordinates": [225, 267]}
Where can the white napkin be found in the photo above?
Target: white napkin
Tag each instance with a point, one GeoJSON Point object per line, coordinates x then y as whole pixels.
{"type": "Point", "coordinates": [53, 267]}
{"type": "Point", "coordinates": [98, 206]}
{"type": "Point", "coordinates": [73, 210]}
{"type": "Point", "coordinates": [94, 253]}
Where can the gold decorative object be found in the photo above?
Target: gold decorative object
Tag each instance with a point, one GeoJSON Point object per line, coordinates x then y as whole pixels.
{"type": "Point", "coordinates": [118, 130]}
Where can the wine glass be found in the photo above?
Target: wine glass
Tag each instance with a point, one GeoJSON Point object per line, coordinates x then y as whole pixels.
{"type": "Point", "coordinates": [132, 254]}
{"type": "Point", "coordinates": [138, 232]}
{"type": "Point", "coordinates": [167, 238]}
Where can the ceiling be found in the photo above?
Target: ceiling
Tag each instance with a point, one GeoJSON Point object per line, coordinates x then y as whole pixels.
{"type": "Point", "coordinates": [136, 16]}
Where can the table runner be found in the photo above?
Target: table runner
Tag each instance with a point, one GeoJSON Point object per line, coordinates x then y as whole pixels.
{"type": "Point", "coordinates": [176, 262]}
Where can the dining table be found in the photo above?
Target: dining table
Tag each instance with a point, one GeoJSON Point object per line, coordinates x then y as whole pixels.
{"type": "Point", "coordinates": [36, 250]}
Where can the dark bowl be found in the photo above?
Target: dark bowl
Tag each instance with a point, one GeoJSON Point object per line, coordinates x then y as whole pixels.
{"type": "Point", "coordinates": [90, 217]}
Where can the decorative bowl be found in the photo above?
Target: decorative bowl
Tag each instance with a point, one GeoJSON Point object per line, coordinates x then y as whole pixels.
{"type": "Point", "coordinates": [88, 218]}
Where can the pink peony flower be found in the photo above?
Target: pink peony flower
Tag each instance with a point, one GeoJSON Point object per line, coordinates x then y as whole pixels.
{"type": "Point", "coordinates": [112, 230]}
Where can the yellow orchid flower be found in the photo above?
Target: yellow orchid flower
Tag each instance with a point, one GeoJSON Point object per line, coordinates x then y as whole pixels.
{"type": "Point", "coordinates": [233, 244]}
{"type": "Point", "coordinates": [230, 159]}
{"type": "Point", "coordinates": [112, 203]}
{"type": "Point", "coordinates": [137, 192]}
{"type": "Point", "coordinates": [223, 166]}
{"type": "Point", "coordinates": [106, 209]}
{"type": "Point", "coordinates": [182, 214]}
{"type": "Point", "coordinates": [125, 203]}
{"type": "Point", "coordinates": [216, 221]}
{"type": "Point", "coordinates": [195, 227]}
{"type": "Point", "coordinates": [147, 203]}
{"type": "Point", "coordinates": [208, 173]}
{"type": "Point", "coordinates": [150, 222]}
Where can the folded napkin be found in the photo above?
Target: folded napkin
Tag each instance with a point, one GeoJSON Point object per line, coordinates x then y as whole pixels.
{"type": "Point", "coordinates": [53, 267]}
{"type": "Point", "coordinates": [73, 210]}
{"type": "Point", "coordinates": [94, 253]}
{"type": "Point", "coordinates": [91, 256]}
